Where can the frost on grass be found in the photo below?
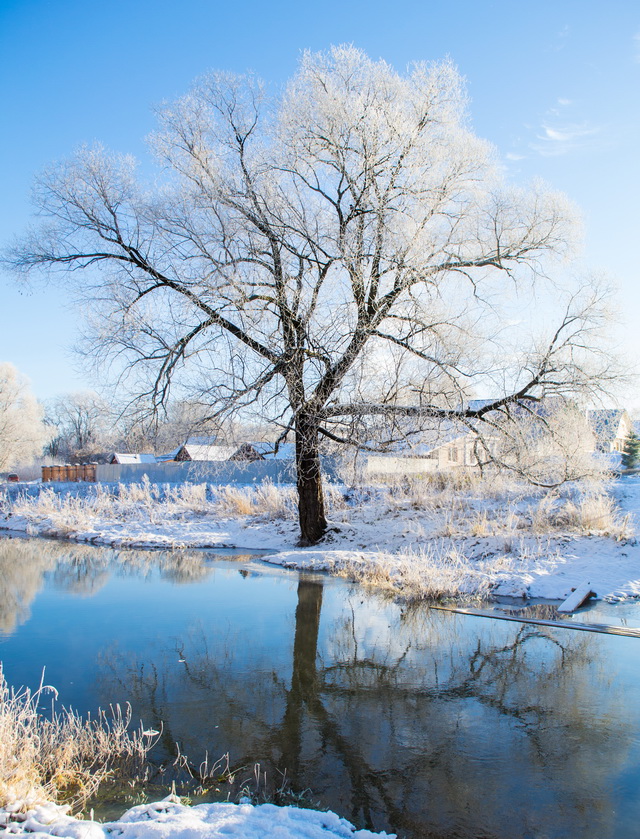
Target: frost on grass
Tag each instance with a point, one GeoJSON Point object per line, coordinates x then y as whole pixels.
{"type": "Point", "coordinates": [62, 757]}
{"type": "Point", "coordinates": [434, 573]}
{"type": "Point", "coordinates": [64, 513]}
{"type": "Point", "coordinates": [463, 507]}
{"type": "Point", "coordinates": [51, 765]}
{"type": "Point", "coordinates": [447, 507]}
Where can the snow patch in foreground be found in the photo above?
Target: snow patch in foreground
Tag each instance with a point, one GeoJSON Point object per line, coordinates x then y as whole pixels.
{"type": "Point", "coordinates": [169, 819]}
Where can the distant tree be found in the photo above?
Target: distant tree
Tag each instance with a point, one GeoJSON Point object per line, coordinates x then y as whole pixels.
{"type": "Point", "coordinates": [347, 251]}
{"type": "Point", "coordinates": [83, 425]}
{"type": "Point", "coordinates": [631, 451]}
{"type": "Point", "coordinates": [23, 433]}
{"type": "Point", "coordinates": [182, 419]}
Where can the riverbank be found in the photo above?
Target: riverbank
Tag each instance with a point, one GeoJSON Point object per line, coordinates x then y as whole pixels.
{"type": "Point", "coordinates": [419, 540]}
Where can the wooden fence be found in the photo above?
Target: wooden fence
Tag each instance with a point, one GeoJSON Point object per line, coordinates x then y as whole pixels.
{"type": "Point", "coordinates": [69, 472]}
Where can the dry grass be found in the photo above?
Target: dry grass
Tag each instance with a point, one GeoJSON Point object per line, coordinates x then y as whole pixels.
{"type": "Point", "coordinates": [452, 505]}
{"type": "Point", "coordinates": [435, 573]}
{"type": "Point", "coordinates": [590, 512]}
{"type": "Point", "coordinates": [265, 499]}
{"type": "Point", "coordinates": [502, 506]}
{"type": "Point", "coordinates": [62, 757]}
{"type": "Point", "coordinates": [64, 514]}
{"type": "Point", "coordinates": [235, 501]}
{"type": "Point", "coordinates": [596, 514]}
{"type": "Point", "coordinates": [275, 501]}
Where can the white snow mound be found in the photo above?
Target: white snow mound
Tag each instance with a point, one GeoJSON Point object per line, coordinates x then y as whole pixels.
{"type": "Point", "coordinates": [169, 819]}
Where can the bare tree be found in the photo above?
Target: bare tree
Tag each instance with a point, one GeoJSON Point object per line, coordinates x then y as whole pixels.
{"type": "Point", "coordinates": [181, 420]}
{"type": "Point", "coordinates": [23, 433]}
{"type": "Point", "coordinates": [83, 423]}
{"type": "Point", "coordinates": [338, 253]}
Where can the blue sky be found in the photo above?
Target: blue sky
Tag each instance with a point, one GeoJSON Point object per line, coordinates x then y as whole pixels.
{"type": "Point", "coordinates": [554, 85]}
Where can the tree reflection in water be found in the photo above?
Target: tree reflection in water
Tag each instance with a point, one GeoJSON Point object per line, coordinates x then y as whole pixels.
{"type": "Point", "coordinates": [426, 723]}
{"type": "Point", "coordinates": [80, 570]}
{"type": "Point", "coordinates": [22, 569]}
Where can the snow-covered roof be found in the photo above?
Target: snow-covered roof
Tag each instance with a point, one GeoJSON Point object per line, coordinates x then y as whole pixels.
{"type": "Point", "coordinates": [521, 407]}
{"type": "Point", "coordinates": [200, 452]}
{"type": "Point", "coordinates": [203, 439]}
{"type": "Point", "coordinates": [163, 458]}
{"type": "Point", "coordinates": [124, 457]}
{"type": "Point", "coordinates": [286, 451]}
{"type": "Point", "coordinates": [477, 404]}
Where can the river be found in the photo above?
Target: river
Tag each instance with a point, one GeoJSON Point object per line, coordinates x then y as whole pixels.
{"type": "Point", "coordinates": [419, 721]}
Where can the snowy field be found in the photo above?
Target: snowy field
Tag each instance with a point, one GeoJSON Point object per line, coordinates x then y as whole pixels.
{"type": "Point", "coordinates": [496, 538]}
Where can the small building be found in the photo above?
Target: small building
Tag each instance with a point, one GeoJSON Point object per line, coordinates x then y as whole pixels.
{"type": "Point", "coordinates": [442, 448]}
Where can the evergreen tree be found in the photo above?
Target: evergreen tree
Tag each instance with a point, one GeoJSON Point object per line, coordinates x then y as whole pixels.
{"type": "Point", "coordinates": [631, 451]}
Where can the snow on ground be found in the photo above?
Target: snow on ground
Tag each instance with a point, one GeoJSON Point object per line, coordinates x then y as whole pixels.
{"type": "Point", "coordinates": [456, 544]}
{"type": "Point", "coordinates": [169, 819]}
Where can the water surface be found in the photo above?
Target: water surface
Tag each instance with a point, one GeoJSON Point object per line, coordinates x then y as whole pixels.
{"type": "Point", "coordinates": [426, 723]}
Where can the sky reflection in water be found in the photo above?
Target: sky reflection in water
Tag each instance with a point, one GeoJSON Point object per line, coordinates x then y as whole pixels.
{"type": "Point", "coordinates": [422, 722]}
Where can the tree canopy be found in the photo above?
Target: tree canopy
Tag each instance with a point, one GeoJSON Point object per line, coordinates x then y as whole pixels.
{"type": "Point", "coordinates": [23, 433]}
{"type": "Point", "coordinates": [338, 259]}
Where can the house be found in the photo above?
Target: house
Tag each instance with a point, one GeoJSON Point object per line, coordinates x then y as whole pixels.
{"type": "Point", "coordinates": [518, 431]}
{"type": "Point", "coordinates": [610, 427]}
{"type": "Point", "coordinates": [199, 451]}
{"type": "Point", "coordinates": [444, 447]}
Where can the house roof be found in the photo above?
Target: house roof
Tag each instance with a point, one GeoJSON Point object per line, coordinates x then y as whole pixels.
{"type": "Point", "coordinates": [286, 451]}
{"type": "Point", "coordinates": [125, 457]}
{"type": "Point", "coordinates": [520, 407]}
{"type": "Point", "coordinates": [163, 458]}
{"type": "Point", "coordinates": [200, 452]}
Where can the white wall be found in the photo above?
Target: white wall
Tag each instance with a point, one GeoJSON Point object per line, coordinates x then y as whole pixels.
{"type": "Point", "coordinates": [213, 472]}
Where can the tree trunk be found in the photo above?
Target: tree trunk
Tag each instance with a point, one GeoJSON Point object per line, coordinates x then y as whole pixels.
{"type": "Point", "coordinates": [304, 677]}
{"type": "Point", "coordinates": [311, 514]}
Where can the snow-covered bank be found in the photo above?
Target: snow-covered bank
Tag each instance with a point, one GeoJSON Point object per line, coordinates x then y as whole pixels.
{"type": "Point", "coordinates": [484, 540]}
{"type": "Point", "coordinates": [170, 818]}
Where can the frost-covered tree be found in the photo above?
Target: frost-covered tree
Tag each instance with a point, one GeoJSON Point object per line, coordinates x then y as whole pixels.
{"type": "Point", "coordinates": [23, 433]}
{"type": "Point", "coordinates": [83, 425]}
{"type": "Point", "coordinates": [340, 252]}
{"type": "Point", "coordinates": [547, 446]}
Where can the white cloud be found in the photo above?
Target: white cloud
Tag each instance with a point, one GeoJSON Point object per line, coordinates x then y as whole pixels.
{"type": "Point", "coordinates": [563, 138]}
{"type": "Point", "coordinates": [561, 133]}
